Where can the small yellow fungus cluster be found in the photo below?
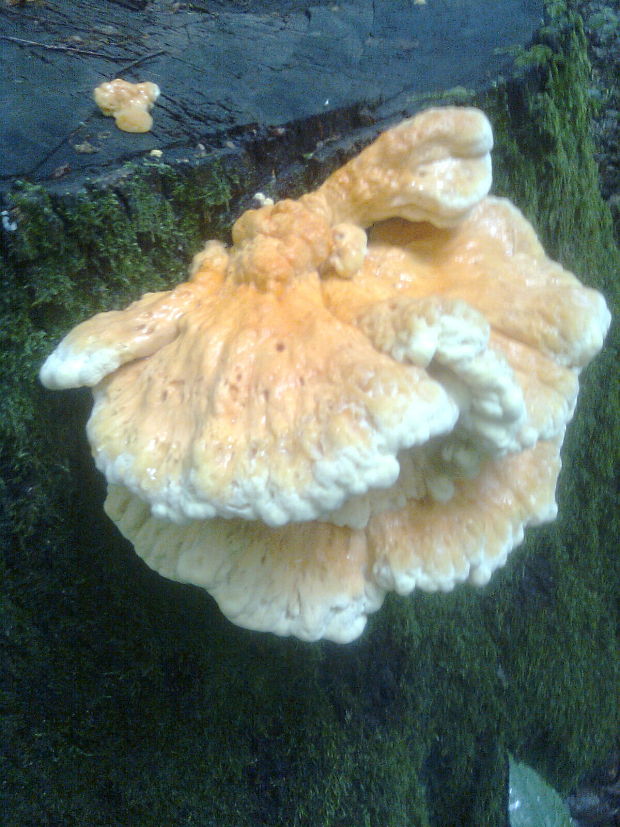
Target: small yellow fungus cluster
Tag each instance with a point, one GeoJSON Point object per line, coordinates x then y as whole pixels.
{"type": "Point", "coordinates": [129, 103]}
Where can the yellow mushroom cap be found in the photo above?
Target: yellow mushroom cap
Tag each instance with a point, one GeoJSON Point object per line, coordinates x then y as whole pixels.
{"type": "Point", "coordinates": [128, 103]}
{"type": "Point", "coordinates": [320, 415]}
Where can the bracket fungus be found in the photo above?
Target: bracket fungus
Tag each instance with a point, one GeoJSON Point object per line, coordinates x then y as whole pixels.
{"type": "Point", "coordinates": [366, 392]}
{"type": "Point", "coordinates": [129, 103]}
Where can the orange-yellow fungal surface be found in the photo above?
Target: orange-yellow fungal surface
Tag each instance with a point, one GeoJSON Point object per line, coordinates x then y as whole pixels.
{"type": "Point", "coordinates": [367, 392]}
{"type": "Point", "coordinates": [128, 103]}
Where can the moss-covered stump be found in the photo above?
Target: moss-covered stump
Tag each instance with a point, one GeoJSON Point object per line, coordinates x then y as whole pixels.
{"type": "Point", "coordinates": [128, 699]}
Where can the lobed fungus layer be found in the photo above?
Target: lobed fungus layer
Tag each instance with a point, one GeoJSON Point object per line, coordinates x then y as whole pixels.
{"type": "Point", "coordinates": [129, 103]}
{"type": "Point", "coordinates": [367, 392]}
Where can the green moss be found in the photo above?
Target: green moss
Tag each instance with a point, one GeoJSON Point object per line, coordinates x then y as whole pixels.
{"type": "Point", "coordinates": [545, 138]}
{"type": "Point", "coordinates": [565, 694]}
{"type": "Point", "coordinates": [70, 257]}
{"type": "Point", "coordinates": [133, 702]}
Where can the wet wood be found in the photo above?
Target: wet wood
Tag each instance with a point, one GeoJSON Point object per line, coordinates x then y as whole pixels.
{"type": "Point", "coordinates": [229, 66]}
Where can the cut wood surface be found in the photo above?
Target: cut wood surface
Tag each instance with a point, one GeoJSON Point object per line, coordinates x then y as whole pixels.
{"type": "Point", "coordinates": [227, 66]}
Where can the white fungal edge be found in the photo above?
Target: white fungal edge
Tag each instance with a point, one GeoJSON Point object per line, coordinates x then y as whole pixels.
{"type": "Point", "coordinates": [351, 472]}
{"type": "Point", "coordinates": [67, 367]}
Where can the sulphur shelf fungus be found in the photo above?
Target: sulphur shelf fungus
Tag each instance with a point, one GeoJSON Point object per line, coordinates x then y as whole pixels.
{"type": "Point", "coordinates": [129, 103]}
{"type": "Point", "coordinates": [367, 392]}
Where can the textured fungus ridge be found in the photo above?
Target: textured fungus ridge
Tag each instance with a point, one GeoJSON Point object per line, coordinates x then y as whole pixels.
{"type": "Point", "coordinates": [367, 392]}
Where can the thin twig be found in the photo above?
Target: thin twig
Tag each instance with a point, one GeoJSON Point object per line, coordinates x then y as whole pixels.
{"type": "Point", "coordinates": [21, 42]}
{"type": "Point", "coordinates": [141, 59]}
{"type": "Point", "coordinates": [129, 66]}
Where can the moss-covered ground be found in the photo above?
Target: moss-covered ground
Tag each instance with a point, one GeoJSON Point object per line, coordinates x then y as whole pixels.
{"type": "Point", "coordinates": [128, 700]}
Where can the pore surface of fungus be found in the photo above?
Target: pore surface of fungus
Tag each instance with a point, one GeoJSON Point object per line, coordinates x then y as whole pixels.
{"type": "Point", "coordinates": [129, 103]}
{"type": "Point", "coordinates": [366, 392]}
